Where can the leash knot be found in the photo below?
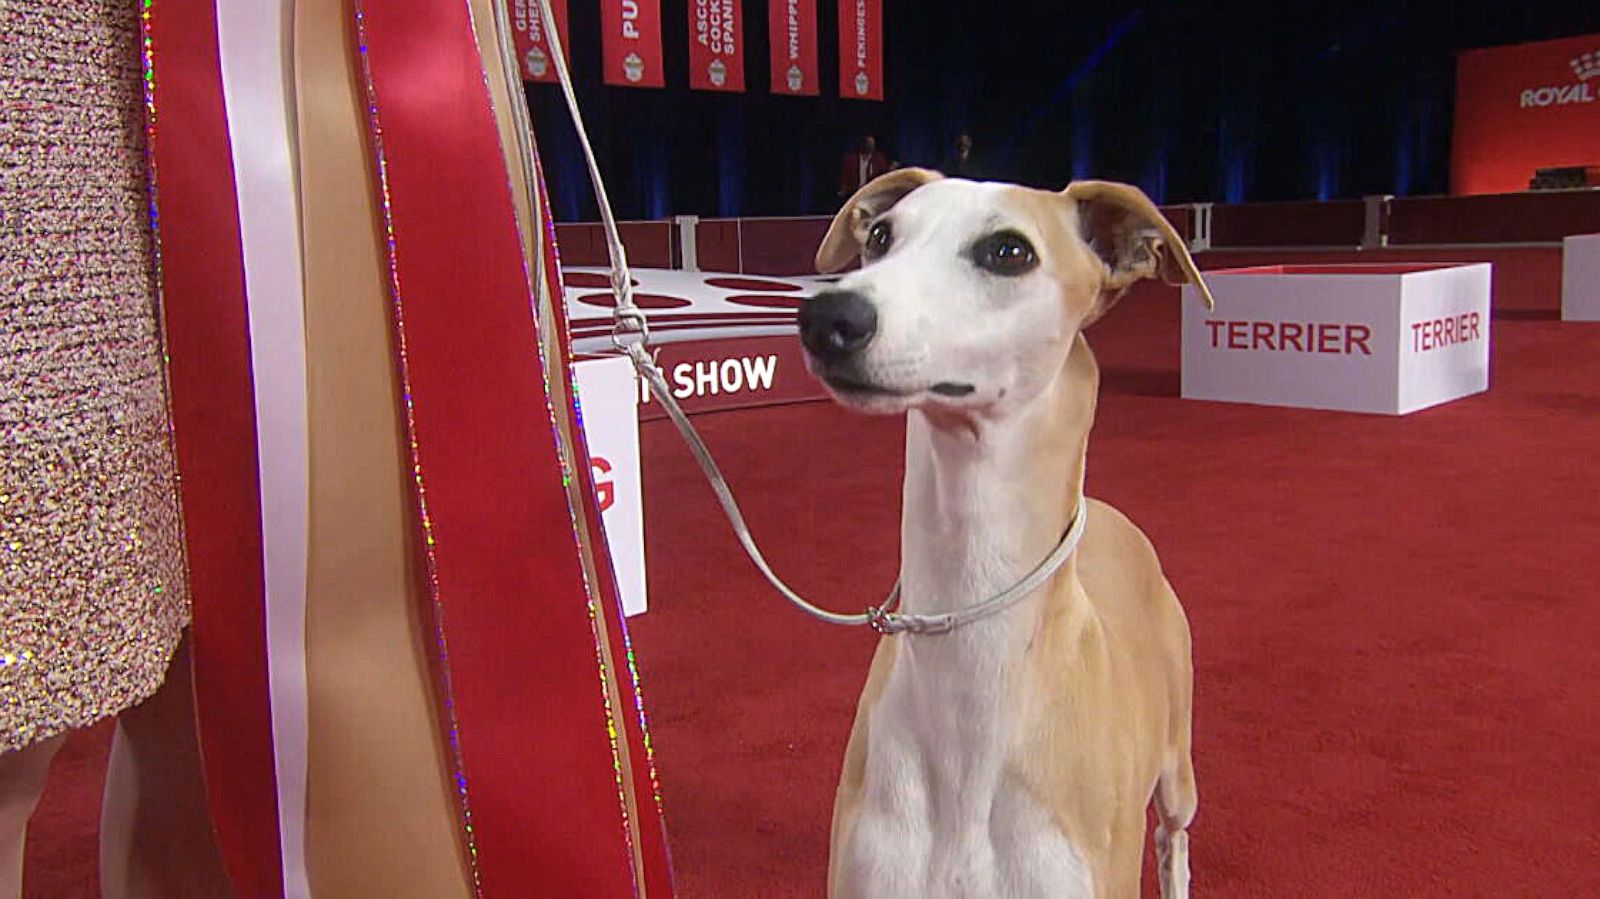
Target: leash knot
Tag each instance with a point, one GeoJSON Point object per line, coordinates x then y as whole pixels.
{"type": "Point", "coordinates": [886, 622]}
{"type": "Point", "coordinates": [629, 327]}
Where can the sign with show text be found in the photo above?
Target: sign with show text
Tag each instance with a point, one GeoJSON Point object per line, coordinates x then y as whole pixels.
{"type": "Point", "coordinates": [704, 376]}
{"type": "Point", "coordinates": [1388, 339]}
{"type": "Point", "coordinates": [735, 373]}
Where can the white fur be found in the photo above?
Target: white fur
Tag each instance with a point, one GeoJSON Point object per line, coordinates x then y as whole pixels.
{"type": "Point", "coordinates": [939, 813]}
{"type": "Point", "coordinates": [951, 322]}
{"type": "Point", "coordinates": [941, 817]}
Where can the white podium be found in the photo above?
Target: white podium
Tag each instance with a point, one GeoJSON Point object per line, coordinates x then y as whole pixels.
{"type": "Point", "coordinates": [1580, 278]}
{"type": "Point", "coordinates": [1388, 339]}
{"type": "Point", "coordinates": [609, 399]}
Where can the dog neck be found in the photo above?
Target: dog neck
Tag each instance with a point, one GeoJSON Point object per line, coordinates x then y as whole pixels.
{"type": "Point", "coordinates": [986, 499]}
{"type": "Point", "coordinates": [984, 503]}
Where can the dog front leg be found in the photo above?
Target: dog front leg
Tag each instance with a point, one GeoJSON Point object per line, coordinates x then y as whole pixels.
{"type": "Point", "coordinates": [1172, 862]}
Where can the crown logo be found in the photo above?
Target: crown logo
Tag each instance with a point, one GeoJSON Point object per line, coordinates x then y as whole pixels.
{"type": "Point", "coordinates": [1587, 66]}
{"type": "Point", "coordinates": [537, 62]}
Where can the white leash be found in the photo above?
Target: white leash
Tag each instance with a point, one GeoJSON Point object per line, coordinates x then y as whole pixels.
{"type": "Point", "coordinates": [631, 335]}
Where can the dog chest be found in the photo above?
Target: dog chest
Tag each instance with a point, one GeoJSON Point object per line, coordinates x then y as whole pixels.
{"type": "Point", "coordinates": [932, 830]}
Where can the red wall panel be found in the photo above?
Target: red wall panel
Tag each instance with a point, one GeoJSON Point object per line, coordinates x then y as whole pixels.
{"type": "Point", "coordinates": [1525, 107]}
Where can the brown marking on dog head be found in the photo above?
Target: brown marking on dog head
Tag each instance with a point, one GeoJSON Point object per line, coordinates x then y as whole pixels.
{"type": "Point", "coordinates": [848, 231]}
{"type": "Point", "coordinates": [1133, 239]}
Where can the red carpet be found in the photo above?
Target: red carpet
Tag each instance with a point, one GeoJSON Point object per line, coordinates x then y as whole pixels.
{"type": "Point", "coordinates": [1395, 628]}
{"type": "Point", "coordinates": [1394, 623]}
{"type": "Point", "coordinates": [63, 860]}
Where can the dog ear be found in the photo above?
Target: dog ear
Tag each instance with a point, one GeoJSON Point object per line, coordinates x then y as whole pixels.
{"type": "Point", "coordinates": [1133, 239]}
{"type": "Point", "coordinates": [843, 241]}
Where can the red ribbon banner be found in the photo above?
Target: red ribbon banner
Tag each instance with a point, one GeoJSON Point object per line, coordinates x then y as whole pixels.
{"type": "Point", "coordinates": [532, 38]}
{"type": "Point", "coordinates": [792, 29]}
{"type": "Point", "coordinates": [652, 850]}
{"type": "Point", "coordinates": [861, 49]}
{"type": "Point", "coordinates": [207, 333]}
{"type": "Point", "coordinates": [630, 32]}
{"type": "Point", "coordinates": [716, 46]}
{"type": "Point", "coordinates": [553, 802]}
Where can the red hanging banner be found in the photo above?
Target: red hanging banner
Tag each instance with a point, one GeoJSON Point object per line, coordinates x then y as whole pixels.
{"type": "Point", "coordinates": [533, 43]}
{"type": "Point", "coordinates": [716, 46]}
{"type": "Point", "coordinates": [861, 49]}
{"type": "Point", "coordinates": [631, 39]}
{"type": "Point", "coordinates": [792, 29]}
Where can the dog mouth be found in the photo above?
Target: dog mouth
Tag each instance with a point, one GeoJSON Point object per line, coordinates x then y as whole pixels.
{"type": "Point", "coordinates": [848, 384]}
{"type": "Point", "coordinates": [852, 387]}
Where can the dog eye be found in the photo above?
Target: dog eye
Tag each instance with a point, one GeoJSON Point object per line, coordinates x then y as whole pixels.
{"type": "Point", "coordinates": [1005, 253]}
{"type": "Point", "coordinates": [879, 237]}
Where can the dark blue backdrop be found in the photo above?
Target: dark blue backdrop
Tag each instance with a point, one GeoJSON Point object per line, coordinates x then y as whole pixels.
{"type": "Point", "coordinates": [1242, 102]}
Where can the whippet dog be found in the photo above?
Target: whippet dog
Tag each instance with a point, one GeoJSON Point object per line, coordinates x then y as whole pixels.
{"type": "Point", "coordinates": [1014, 756]}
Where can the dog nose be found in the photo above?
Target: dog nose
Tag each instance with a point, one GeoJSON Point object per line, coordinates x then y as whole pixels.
{"type": "Point", "coordinates": [836, 323]}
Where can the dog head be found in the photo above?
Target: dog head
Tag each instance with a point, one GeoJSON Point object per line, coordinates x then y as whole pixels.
{"type": "Point", "coordinates": [971, 293]}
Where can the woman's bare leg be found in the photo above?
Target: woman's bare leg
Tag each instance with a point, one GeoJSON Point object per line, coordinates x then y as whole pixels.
{"type": "Point", "coordinates": [22, 777]}
{"type": "Point", "coordinates": [156, 836]}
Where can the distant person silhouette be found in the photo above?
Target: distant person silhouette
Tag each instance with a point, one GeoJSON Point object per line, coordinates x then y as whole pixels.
{"type": "Point", "coordinates": [861, 166]}
{"type": "Point", "coordinates": [961, 163]}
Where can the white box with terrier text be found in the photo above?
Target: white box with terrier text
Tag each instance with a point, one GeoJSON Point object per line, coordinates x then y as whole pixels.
{"type": "Point", "coordinates": [1388, 339]}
